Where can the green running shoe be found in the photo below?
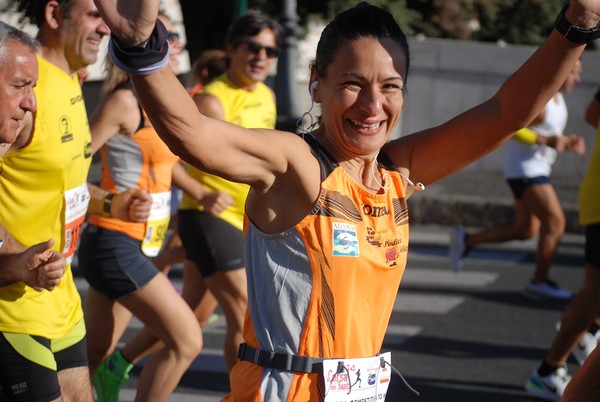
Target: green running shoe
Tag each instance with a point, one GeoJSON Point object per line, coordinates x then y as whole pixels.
{"type": "Point", "coordinates": [110, 377]}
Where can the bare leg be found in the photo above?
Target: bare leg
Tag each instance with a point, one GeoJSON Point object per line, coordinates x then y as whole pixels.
{"type": "Point", "coordinates": [173, 251]}
{"type": "Point", "coordinates": [576, 319]}
{"type": "Point", "coordinates": [195, 294]}
{"type": "Point", "coordinates": [165, 313]}
{"type": "Point", "coordinates": [230, 290]}
{"type": "Point", "coordinates": [526, 225]}
{"type": "Point", "coordinates": [105, 320]}
{"type": "Point", "coordinates": [543, 201]}
{"type": "Point", "coordinates": [75, 385]}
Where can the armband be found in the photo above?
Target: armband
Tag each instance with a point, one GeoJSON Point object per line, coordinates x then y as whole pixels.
{"type": "Point", "coordinates": [526, 135]}
{"type": "Point", "coordinates": [107, 205]}
{"type": "Point", "coordinates": [144, 59]}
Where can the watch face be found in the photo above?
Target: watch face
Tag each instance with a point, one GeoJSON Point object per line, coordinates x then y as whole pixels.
{"type": "Point", "coordinates": [107, 203]}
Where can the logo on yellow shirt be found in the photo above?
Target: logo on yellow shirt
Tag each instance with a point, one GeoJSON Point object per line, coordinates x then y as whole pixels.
{"type": "Point", "coordinates": [87, 150]}
{"type": "Point", "coordinates": [65, 129]}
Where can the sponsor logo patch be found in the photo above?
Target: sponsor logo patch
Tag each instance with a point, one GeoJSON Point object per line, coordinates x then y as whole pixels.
{"type": "Point", "coordinates": [345, 242]}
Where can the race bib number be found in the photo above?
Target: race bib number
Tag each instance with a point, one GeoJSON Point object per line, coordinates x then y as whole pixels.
{"type": "Point", "coordinates": [76, 205]}
{"type": "Point", "coordinates": [157, 224]}
{"type": "Point", "coordinates": [350, 380]}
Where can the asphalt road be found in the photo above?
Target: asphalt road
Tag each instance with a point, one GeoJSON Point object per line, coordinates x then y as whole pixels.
{"type": "Point", "coordinates": [468, 336]}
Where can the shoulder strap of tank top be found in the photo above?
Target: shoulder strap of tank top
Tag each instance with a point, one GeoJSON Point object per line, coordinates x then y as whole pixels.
{"type": "Point", "coordinates": [385, 161]}
{"type": "Point", "coordinates": [326, 161]}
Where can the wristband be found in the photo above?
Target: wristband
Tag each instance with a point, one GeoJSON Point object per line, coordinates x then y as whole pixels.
{"type": "Point", "coordinates": [574, 33]}
{"type": "Point", "coordinates": [107, 204]}
{"type": "Point", "coordinates": [597, 96]}
{"type": "Point", "coordinates": [526, 135]}
{"type": "Point", "coordinates": [144, 59]}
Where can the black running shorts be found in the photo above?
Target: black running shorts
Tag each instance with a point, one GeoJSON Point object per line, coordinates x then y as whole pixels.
{"type": "Point", "coordinates": [113, 263]}
{"type": "Point", "coordinates": [29, 364]}
{"type": "Point", "coordinates": [210, 242]}
{"type": "Point", "coordinates": [592, 240]}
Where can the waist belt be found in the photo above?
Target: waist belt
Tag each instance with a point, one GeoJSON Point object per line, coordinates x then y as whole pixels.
{"type": "Point", "coordinates": [280, 361]}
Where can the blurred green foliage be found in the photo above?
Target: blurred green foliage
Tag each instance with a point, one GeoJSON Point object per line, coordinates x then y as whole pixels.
{"type": "Point", "coordinates": [512, 21]}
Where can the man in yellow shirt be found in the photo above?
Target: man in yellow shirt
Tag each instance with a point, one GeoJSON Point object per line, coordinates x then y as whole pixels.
{"type": "Point", "coordinates": [37, 266]}
{"type": "Point", "coordinates": [44, 195]}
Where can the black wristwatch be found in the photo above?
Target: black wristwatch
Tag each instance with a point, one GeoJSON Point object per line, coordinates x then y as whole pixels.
{"type": "Point", "coordinates": [574, 33]}
{"type": "Point", "coordinates": [107, 204]}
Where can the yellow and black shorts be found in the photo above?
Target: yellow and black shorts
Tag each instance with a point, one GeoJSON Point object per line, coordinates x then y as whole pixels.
{"type": "Point", "coordinates": [29, 364]}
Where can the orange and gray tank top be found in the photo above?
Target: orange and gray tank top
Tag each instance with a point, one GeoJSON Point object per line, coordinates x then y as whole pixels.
{"type": "Point", "coordinates": [325, 287]}
{"type": "Point", "coordinates": [141, 160]}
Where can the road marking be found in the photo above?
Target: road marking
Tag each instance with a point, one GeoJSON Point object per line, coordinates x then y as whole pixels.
{"type": "Point", "coordinates": [397, 334]}
{"type": "Point", "coordinates": [446, 278]}
{"type": "Point", "coordinates": [408, 302]}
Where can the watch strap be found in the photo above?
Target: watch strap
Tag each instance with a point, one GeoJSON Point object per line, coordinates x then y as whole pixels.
{"type": "Point", "coordinates": [575, 33]}
{"type": "Point", "coordinates": [107, 204]}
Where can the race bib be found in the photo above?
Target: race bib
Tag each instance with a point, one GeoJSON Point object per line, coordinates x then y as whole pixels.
{"type": "Point", "coordinates": [76, 205]}
{"type": "Point", "coordinates": [350, 380]}
{"type": "Point", "coordinates": [157, 224]}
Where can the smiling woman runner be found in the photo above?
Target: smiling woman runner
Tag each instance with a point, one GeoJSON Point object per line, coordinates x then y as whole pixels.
{"type": "Point", "coordinates": [326, 219]}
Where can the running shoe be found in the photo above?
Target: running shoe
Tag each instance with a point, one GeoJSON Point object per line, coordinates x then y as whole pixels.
{"type": "Point", "coordinates": [110, 377]}
{"type": "Point", "coordinates": [458, 246]}
{"type": "Point", "coordinates": [584, 347]}
{"type": "Point", "coordinates": [214, 317]}
{"type": "Point", "coordinates": [546, 290]}
{"type": "Point", "coordinates": [550, 387]}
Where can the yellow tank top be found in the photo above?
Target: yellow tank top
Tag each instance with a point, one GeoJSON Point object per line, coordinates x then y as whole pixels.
{"type": "Point", "coordinates": [589, 190]}
{"type": "Point", "coordinates": [254, 109]}
{"type": "Point", "coordinates": [43, 195]}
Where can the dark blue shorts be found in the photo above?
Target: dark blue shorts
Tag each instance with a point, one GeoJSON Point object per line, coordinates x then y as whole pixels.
{"type": "Point", "coordinates": [518, 186]}
{"type": "Point", "coordinates": [210, 242]}
{"type": "Point", "coordinates": [29, 364]}
{"type": "Point", "coordinates": [113, 263]}
{"type": "Point", "coordinates": [592, 244]}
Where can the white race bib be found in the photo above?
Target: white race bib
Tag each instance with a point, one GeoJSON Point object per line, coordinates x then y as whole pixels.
{"type": "Point", "coordinates": [76, 205]}
{"type": "Point", "coordinates": [157, 224]}
{"type": "Point", "coordinates": [364, 379]}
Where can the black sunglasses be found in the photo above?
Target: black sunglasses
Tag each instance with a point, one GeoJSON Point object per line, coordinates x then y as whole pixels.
{"type": "Point", "coordinates": [255, 48]}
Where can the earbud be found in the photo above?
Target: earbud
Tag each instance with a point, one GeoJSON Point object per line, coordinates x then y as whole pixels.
{"type": "Point", "coordinates": [313, 86]}
{"type": "Point", "coordinates": [416, 187]}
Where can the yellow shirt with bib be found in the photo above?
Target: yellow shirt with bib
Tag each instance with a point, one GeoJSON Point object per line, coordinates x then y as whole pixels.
{"type": "Point", "coordinates": [249, 109]}
{"type": "Point", "coordinates": [43, 195]}
{"type": "Point", "coordinates": [589, 190]}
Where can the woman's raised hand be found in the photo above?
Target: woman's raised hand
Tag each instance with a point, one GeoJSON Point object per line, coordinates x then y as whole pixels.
{"type": "Point", "coordinates": [586, 11]}
{"type": "Point", "coordinates": [131, 21]}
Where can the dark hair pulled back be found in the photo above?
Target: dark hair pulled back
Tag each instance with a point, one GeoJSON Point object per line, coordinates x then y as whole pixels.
{"type": "Point", "coordinates": [361, 21]}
